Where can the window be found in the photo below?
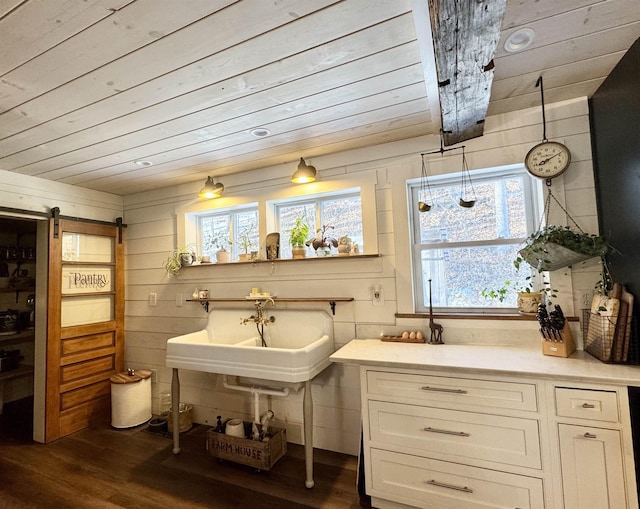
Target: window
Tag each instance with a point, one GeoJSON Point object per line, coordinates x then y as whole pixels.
{"type": "Point", "coordinates": [342, 210]}
{"type": "Point", "coordinates": [235, 230]}
{"type": "Point", "coordinates": [464, 250]}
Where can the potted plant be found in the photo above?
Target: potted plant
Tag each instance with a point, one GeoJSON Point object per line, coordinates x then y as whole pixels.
{"type": "Point", "coordinates": [221, 242]}
{"type": "Point", "coordinates": [533, 292]}
{"type": "Point", "coordinates": [246, 242]}
{"type": "Point", "coordinates": [322, 243]}
{"type": "Point", "coordinates": [298, 234]}
{"type": "Point", "coordinates": [554, 247]}
{"type": "Point", "coordinates": [179, 258]}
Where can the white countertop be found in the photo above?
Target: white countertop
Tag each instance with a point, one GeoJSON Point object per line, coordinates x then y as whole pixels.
{"type": "Point", "coordinates": [499, 360]}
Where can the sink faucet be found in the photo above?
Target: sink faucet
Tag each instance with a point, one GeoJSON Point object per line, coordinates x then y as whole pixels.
{"type": "Point", "coordinates": [260, 319]}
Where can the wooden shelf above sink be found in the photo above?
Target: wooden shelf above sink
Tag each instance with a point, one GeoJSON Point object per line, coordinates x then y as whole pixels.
{"type": "Point", "coordinates": [331, 300]}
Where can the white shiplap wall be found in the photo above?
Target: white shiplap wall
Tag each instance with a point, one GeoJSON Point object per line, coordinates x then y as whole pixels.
{"type": "Point", "coordinates": [152, 234]}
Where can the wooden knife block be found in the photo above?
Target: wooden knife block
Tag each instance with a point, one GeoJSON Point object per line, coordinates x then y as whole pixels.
{"type": "Point", "coordinates": [563, 348]}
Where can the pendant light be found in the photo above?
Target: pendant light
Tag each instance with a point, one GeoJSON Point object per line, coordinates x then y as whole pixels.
{"type": "Point", "coordinates": [211, 189]}
{"type": "Point", "coordinates": [304, 173]}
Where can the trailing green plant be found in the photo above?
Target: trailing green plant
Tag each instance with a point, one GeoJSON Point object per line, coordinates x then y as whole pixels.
{"type": "Point", "coordinates": [509, 286]}
{"type": "Point", "coordinates": [299, 232]}
{"type": "Point", "coordinates": [580, 242]}
{"type": "Point", "coordinates": [539, 249]}
{"type": "Point", "coordinates": [177, 259]}
{"type": "Point", "coordinates": [532, 284]}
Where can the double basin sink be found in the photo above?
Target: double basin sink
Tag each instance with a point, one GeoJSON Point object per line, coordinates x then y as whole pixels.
{"type": "Point", "coordinates": [298, 345]}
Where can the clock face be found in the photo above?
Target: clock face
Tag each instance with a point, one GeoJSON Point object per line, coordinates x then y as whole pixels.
{"type": "Point", "coordinates": [547, 159]}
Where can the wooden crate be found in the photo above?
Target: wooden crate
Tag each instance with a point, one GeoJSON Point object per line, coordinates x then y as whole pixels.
{"type": "Point", "coordinates": [261, 455]}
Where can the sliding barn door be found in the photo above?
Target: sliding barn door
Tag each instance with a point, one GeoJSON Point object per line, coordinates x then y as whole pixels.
{"type": "Point", "coordinates": [85, 343]}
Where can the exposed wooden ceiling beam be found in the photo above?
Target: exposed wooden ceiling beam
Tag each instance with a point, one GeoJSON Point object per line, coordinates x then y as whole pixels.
{"type": "Point", "coordinates": [465, 37]}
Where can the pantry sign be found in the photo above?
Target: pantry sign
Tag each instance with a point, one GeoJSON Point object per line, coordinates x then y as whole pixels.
{"type": "Point", "coordinates": [79, 279]}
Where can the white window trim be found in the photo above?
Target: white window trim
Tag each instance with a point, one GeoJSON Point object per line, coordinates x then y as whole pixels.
{"type": "Point", "coordinates": [560, 279]}
{"type": "Point", "coordinates": [532, 201]}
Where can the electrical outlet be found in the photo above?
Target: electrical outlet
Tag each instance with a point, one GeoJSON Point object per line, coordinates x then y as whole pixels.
{"type": "Point", "coordinates": [153, 299]}
{"type": "Point", "coordinates": [586, 300]}
{"type": "Point", "coordinates": [154, 376]}
{"type": "Point", "coordinates": [179, 300]}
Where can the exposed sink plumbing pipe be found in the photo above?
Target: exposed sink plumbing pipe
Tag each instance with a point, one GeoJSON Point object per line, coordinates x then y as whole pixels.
{"type": "Point", "coordinates": [255, 391]}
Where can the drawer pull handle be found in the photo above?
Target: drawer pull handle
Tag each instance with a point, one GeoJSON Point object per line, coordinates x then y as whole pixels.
{"type": "Point", "coordinates": [447, 432]}
{"type": "Point", "coordinates": [433, 482]}
{"type": "Point", "coordinates": [442, 389]}
{"type": "Point", "coordinates": [588, 405]}
{"type": "Point", "coordinates": [589, 435]}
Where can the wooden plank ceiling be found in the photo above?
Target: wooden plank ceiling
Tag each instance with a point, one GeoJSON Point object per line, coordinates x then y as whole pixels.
{"type": "Point", "coordinates": [89, 87]}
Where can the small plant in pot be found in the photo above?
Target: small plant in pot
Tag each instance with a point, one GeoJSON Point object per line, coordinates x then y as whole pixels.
{"type": "Point", "coordinates": [298, 234]}
{"type": "Point", "coordinates": [220, 242]}
{"type": "Point", "coordinates": [322, 243]}
{"type": "Point", "coordinates": [179, 258]}
{"type": "Point", "coordinates": [533, 292]}
{"type": "Point", "coordinates": [245, 240]}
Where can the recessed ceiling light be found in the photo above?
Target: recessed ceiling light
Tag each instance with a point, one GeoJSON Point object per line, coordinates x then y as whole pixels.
{"type": "Point", "coordinates": [519, 40]}
{"type": "Point", "coordinates": [143, 163]}
{"type": "Point", "coordinates": [260, 132]}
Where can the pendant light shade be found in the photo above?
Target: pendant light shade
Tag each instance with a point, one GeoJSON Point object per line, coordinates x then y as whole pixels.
{"type": "Point", "coordinates": [304, 173]}
{"type": "Point", "coordinates": [211, 189]}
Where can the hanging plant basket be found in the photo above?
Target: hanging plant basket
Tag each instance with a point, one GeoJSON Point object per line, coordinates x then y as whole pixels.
{"type": "Point", "coordinates": [551, 256]}
{"type": "Point", "coordinates": [555, 247]}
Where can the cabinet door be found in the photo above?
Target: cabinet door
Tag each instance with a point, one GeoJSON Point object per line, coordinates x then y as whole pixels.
{"type": "Point", "coordinates": [592, 470]}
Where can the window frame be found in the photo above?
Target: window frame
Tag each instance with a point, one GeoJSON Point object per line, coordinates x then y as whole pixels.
{"type": "Point", "coordinates": [532, 190]}
{"type": "Point", "coordinates": [317, 200]}
{"type": "Point", "coordinates": [234, 230]}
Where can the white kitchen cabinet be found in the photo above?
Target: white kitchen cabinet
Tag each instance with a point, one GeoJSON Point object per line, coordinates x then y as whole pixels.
{"type": "Point", "coordinates": [444, 442]}
{"type": "Point", "coordinates": [592, 468]}
{"type": "Point", "coordinates": [590, 438]}
{"type": "Point", "coordinates": [469, 427]}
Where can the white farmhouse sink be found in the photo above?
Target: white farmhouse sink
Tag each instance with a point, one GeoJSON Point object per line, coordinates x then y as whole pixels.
{"type": "Point", "coordinates": [299, 344]}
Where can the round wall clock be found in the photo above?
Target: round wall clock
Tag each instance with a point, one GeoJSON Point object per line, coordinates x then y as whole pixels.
{"type": "Point", "coordinates": [547, 159]}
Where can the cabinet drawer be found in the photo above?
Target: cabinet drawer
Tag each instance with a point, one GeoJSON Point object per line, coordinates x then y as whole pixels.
{"type": "Point", "coordinates": [458, 435]}
{"type": "Point", "coordinates": [587, 404]}
{"type": "Point", "coordinates": [453, 392]}
{"type": "Point", "coordinates": [430, 483]}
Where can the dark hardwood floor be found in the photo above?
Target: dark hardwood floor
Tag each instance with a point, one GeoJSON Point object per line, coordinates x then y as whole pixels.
{"type": "Point", "coordinates": [102, 467]}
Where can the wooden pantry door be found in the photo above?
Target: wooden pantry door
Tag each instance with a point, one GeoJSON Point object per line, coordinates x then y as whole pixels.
{"type": "Point", "coordinates": [85, 323]}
